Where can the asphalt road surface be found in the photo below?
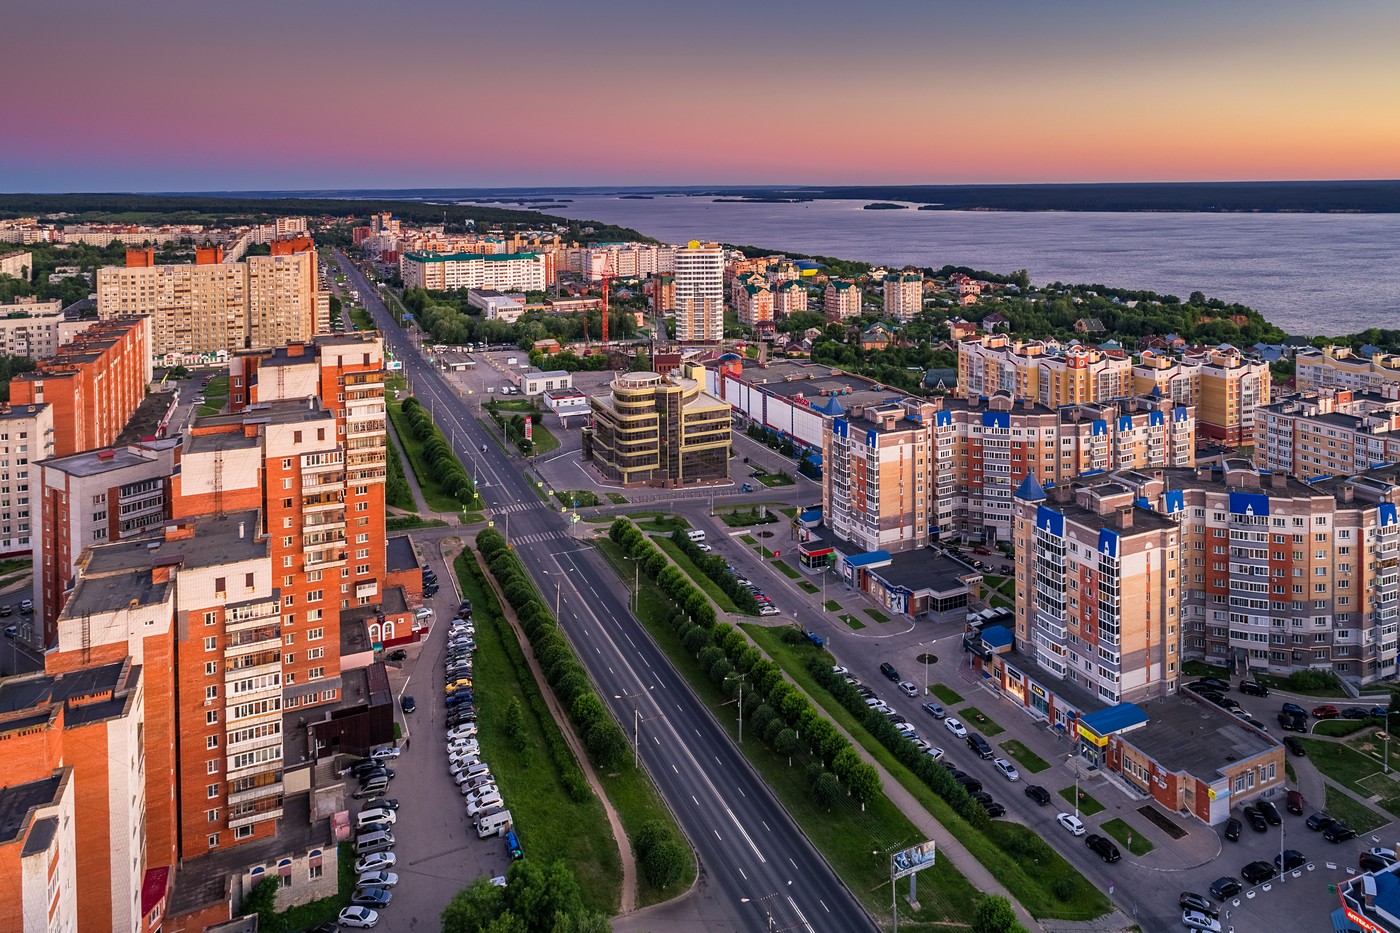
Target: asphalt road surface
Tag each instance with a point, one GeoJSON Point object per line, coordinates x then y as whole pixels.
{"type": "Point", "coordinates": [754, 860]}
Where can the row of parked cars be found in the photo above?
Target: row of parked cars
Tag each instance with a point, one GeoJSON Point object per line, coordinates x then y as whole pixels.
{"type": "Point", "coordinates": [765, 605]}
{"type": "Point", "coordinates": [374, 840]}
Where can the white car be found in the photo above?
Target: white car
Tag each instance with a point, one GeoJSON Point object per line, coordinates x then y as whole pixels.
{"type": "Point", "coordinates": [955, 727]}
{"type": "Point", "coordinates": [1383, 852]}
{"type": "Point", "coordinates": [465, 748]}
{"type": "Point", "coordinates": [423, 614]}
{"type": "Point", "coordinates": [377, 815]}
{"type": "Point", "coordinates": [465, 782]}
{"type": "Point", "coordinates": [359, 917]}
{"type": "Point", "coordinates": [838, 670]}
{"type": "Point", "coordinates": [499, 881]}
{"type": "Point", "coordinates": [1196, 920]}
{"type": "Point", "coordinates": [707, 548]}
{"type": "Point", "coordinates": [465, 731]}
{"type": "Point", "coordinates": [376, 879]}
{"type": "Point", "coordinates": [384, 753]}
{"type": "Point", "coordinates": [1070, 822]}
{"type": "Point", "coordinates": [1007, 769]}
{"type": "Point", "coordinates": [377, 861]}
{"type": "Point", "coordinates": [482, 804]}
{"type": "Point", "coordinates": [460, 764]}
{"type": "Point", "coordinates": [769, 611]}
{"type": "Point", "coordinates": [935, 753]}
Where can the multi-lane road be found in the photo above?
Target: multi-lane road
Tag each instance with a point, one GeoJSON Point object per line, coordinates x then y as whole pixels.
{"type": "Point", "coordinates": [758, 871]}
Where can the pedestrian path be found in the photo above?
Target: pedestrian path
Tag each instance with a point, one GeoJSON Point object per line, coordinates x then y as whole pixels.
{"type": "Point", "coordinates": [412, 478]}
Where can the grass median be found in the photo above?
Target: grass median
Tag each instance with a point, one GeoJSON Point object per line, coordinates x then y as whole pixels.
{"type": "Point", "coordinates": [1351, 812]}
{"type": "Point", "coordinates": [1088, 806]}
{"type": "Point", "coordinates": [947, 694]}
{"type": "Point", "coordinates": [709, 587]}
{"type": "Point", "coordinates": [854, 843]}
{"type": "Point", "coordinates": [434, 496]}
{"type": "Point", "coordinates": [1359, 773]}
{"type": "Point", "coordinates": [1050, 888]}
{"type": "Point", "coordinates": [1027, 759]}
{"type": "Point", "coordinates": [551, 824]}
{"type": "Point", "coordinates": [215, 396]}
{"type": "Point", "coordinates": [1128, 837]}
{"type": "Point", "coordinates": [980, 721]}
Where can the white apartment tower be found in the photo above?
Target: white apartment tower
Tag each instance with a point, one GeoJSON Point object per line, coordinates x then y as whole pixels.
{"type": "Point", "coordinates": [700, 293]}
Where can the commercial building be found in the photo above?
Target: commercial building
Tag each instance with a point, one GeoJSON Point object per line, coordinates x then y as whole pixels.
{"type": "Point", "coordinates": [214, 305]}
{"type": "Point", "coordinates": [537, 382]}
{"type": "Point", "coordinates": [1342, 368]}
{"type": "Point", "coordinates": [18, 265]}
{"type": "Point", "coordinates": [515, 272]}
{"type": "Point", "coordinates": [659, 430]}
{"type": "Point", "coordinates": [841, 300]}
{"type": "Point", "coordinates": [904, 294]}
{"type": "Point", "coordinates": [94, 383]}
{"type": "Point", "coordinates": [1327, 433]}
{"type": "Point", "coordinates": [699, 288]}
{"type": "Point", "coordinates": [497, 306]}
{"type": "Point", "coordinates": [37, 329]}
{"type": "Point", "coordinates": [789, 297]}
{"type": "Point", "coordinates": [26, 438]}
{"type": "Point", "coordinates": [89, 499]}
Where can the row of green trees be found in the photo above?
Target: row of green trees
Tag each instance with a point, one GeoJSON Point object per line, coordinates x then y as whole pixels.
{"type": "Point", "coordinates": [716, 568]}
{"type": "Point", "coordinates": [660, 854]}
{"type": "Point", "coordinates": [537, 898]}
{"type": "Point", "coordinates": [446, 467]}
{"type": "Point", "coordinates": [397, 492]}
{"type": "Point", "coordinates": [776, 711]}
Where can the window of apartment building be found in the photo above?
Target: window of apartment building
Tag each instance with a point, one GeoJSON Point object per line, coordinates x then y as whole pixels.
{"type": "Point", "coordinates": [289, 618]}
{"type": "Point", "coordinates": [362, 553]}
{"type": "Point", "coordinates": [243, 832]}
{"type": "Point", "coordinates": [213, 840]}
{"type": "Point", "coordinates": [290, 658]}
{"type": "Point", "coordinates": [212, 816]}
{"type": "Point", "coordinates": [362, 539]}
{"type": "Point", "coordinates": [313, 615]}
{"type": "Point", "coordinates": [315, 634]}
{"type": "Point", "coordinates": [286, 482]}
{"type": "Point", "coordinates": [286, 503]}
{"type": "Point", "coordinates": [320, 434]}
{"type": "Point", "coordinates": [211, 668]}
{"type": "Point", "coordinates": [288, 580]}
{"type": "Point", "coordinates": [290, 677]}
{"type": "Point", "coordinates": [362, 522]}
{"type": "Point", "coordinates": [315, 654]}
{"type": "Point", "coordinates": [287, 561]}
{"type": "Point", "coordinates": [220, 585]}
{"type": "Point", "coordinates": [211, 717]}
{"type": "Point", "coordinates": [286, 463]}
{"type": "Point", "coordinates": [287, 541]}
{"type": "Point", "coordinates": [211, 692]}
{"type": "Point", "coordinates": [289, 638]}
{"type": "Point", "coordinates": [100, 534]}
{"type": "Point", "coordinates": [328, 694]}
{"type": "Point", "coordinates": [296, 437]}
{"type": "Point", "coordinates": [316, 673]}
{"type": "Point", "coordinates": [211, 791]}
{"type": "Point", "coordinates": [287, 522]}
{"type": "Point", "coordinates": [211, 741]}
{"type": "Point", "coordinates": [361, 569]}
{"type": "Point", "coordinates": [289, 600]}
{"type": "Point", "coordinates": [313, 576]}
{"type": "Point", "coordinates": [211, 643]}
{"type": "Point", "coordinates": [361, 506]}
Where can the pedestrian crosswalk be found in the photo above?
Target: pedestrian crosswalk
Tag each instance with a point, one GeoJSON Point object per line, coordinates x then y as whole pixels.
{"type": "Point", "coordinates": [515, 507]}
{"type": "Point", "coordinates": [537, 538]}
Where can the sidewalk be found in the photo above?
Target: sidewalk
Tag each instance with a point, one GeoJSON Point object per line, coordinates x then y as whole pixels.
{"type": "Point", "coordinates": [408, 471]}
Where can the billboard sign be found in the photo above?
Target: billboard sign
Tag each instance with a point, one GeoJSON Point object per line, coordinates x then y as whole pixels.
{"type": "Point", "coordinates": [915, 859]}
{"type": "Point", "coordinates": [529, 427]}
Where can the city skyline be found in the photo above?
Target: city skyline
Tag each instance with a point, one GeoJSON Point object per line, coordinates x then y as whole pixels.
{"type": "Point", "coordinates": [182, 97]}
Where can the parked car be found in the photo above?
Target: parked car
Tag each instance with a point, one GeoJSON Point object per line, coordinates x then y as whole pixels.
{"type": "Point", "coordinates": [1292, 723]}
{"type": "Point", "coordinates": [361, 918]}
{"type": "Point", "coordinates": [7, 610]}
{"type": "Point", "coordinates": [1232, 829]}
{"type": "Point", "coordinates": [934, 710]}
{"type": "Point", "coordinates": [889, 671]}
{"type": "Point", "coordinates": [408, 703]}
{"type": "Point", "coordinates": [969, 783]}
{"type": "Point", "coordinates": [1293, 709]}
{"type": "Point", "coordinates": [1257, 872]}
{"type": "Point", "coordinates": [1224, 888]}
{"type": "Point", "coordinates": [1190, 900]}
{"type": "Point", "coordinates": [1195, 920]}
{"type": "Point", "coordinates": [1295, 747]}
{"type": "Point", "coordinates": [1380, 712]}
{"type": "Point", "coordinates": [955, 727]}
{"type": "Point", "coordinates": [1103, 847]}
{"type": "Point", "coordinates": [1212, 683]}
{"type": "Point", "coordinates": [376, 861]}
{"type": "Point", "coordinates": [371, 897]}
{"type": "Point", "coordinates": [1007, 769]}
{"type": "Point", "coordinates": [1356, 712]}
{"type": "Point", "coordinates": [1318, 822]}
{"type": "Point", "coordinates": [1369, 862]}
{"type": "Point", "coordinates": [398, 654]}
{"type": "Point", "coordinates": [1070, 822]}
{"type": "Point", "coordinates": [377, 879]}
{"type": "Point", "coordinates": [1383, 852]}
{"type": "Point", "coordinates": [1253, 688]}
{"type": "Point", "coordinates": [1270, 812]}
{"type": "Point", "coordinates": [908, 689]}
{"type": "Point", "coordinates": [1039, 794]}
{"type": "Point", "coordinates": [384, 753]}
{"type": "Point", "coordinates": [1326, 712]}
{"type": "Point", "coordinates": [769, 611]}
{"type": "Point", "coordinates": [994, 809]}
{"type": "Point", "coordinates": [1256, 820]}
{"type": "Point", "coordinates": [26, 606]}
{"type": "Point", "coordinates": [1289, 860]}
{"type": "Point", "coordinates": [1338, 832]}
{"type": "Point", "coordinates": [1295, 802]}
{"type": "Point", "coordinates": [934, 752]}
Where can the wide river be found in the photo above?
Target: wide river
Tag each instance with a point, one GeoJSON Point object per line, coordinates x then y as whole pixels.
{"type": "Point", "coordinates": [1308, 273]}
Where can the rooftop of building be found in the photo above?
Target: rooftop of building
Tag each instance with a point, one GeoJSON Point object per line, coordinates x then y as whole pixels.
{"type": "Point", "coordinates": [468, 257]}
{"type": "Point", "coordinates": [38, 690]}
{"type": "Point", "coordinates": [94, 462]}
{"type": "Point", "coordinates": [203, 881]}
{"type": "Point", "coordinates": [8, 413]}
{"type": "Point", "coordinates": [1067, 692]}
{"type": "Point", "coordinates": [547, 374]}
{"type": "Point", "coordinates": [399, 554]}
{"type": "Point", "coordinates": [1196, 737]}
{"type": "Point", "coordinates": [926, 568]}
{"type": "Point", "coordinates": [19, 801]}
{"type": "Point", "coordinates": [1238, 476]}
{"type": "Point", "coordinates": [146, 420]}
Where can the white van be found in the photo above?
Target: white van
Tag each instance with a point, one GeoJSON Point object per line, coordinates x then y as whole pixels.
{"type": "Point", "coordinates": [493, 824]}
{"type": "Point", "coordinates": [376, 815]}
{"type": "Point", "coordinates": [695, 534]}
{"type": "Point", "coordinates": [378, 841]}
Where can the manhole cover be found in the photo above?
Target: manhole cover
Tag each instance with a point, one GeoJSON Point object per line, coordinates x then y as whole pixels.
{"type": "Point", "coordinates": [927, 659]}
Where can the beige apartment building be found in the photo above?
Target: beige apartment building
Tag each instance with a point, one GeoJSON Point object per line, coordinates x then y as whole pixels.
{"type": "Point", "coordinates": [1233, 387]}
{"type": "Point", "coordinates": [506, 272]}
{"type": "Point", "coordinates": [18, 265]}
{"type": "Point", "coordinates": [904, 294]}
{"type": "Point", "coordinates": [753, 302]}
{"type": "Point", "coordinates": [1341, 368]}
{"type": "Point", "coordinates": [37, 329]}
{"type": "Point", "coordinates": [1076, 375]}
{"type": "Point", "coordinates": [659, 430]}
{"type": "Point", "coordinates": [789, 297]}
{"type": "Point", "coordinates": [1327, 433]}
{"type": "Point", "coordinates": [699, 282]}
{"type": "Point", "coordinates": [841, 299]}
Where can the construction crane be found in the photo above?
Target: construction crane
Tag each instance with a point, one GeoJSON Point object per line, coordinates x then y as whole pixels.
{"type": "Point", "coordinates": [607, 277]}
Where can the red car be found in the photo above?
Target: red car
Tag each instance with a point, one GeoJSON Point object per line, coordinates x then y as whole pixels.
{"type": "Point", "coordinates": [1326, 712]}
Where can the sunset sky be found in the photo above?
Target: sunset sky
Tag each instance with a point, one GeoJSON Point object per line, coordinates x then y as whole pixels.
{"type": "Point", "coordinates": [168, 95]}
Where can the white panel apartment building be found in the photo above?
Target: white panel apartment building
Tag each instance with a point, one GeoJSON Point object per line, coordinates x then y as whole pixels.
{"type": "Point", "coordinates": [700, 293]}
{"type": "Point", "coordinates": [36, 329]}
{"type": "Point", "coordinates": [904, 295]}
{"type": "Point", "coordinates": [506, 272]}
{"type": "Point", "coordinates": [26, 437]}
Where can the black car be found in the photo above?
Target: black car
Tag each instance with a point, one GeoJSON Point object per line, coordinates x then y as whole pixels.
{"type": "Point", "coordinates": [1295, 747]}
{"type": "Point", "coordinates": [430, 590]}
{"type": "Point", "coordinates": [1290, 860]}
{"type": "Point", "coordinates": [1232, 829]}
{"type": "Point", "coordinates": [1338, 832]}
{"type": "Point", "coordinates": [1211, 696]}
{"type": "Point", "coordinates": [889, 671]}
{"type": "Point", "coordinates": [398, 654]}
{"type": "Point", "coordinates": [1225, 888]}
{"type": "Point", "coordinates": [1253, 688]}
{"type": "Point", "coordinates": [970, 783]}
{"type": "Point", "coordinates": [1293, 709]}
{"type": "Point", "coordinates": [1190, 900]}
{"type": "Point", "coordinates": [371, 897]}
{"type": "Point", "coordinates": [1211, 683]}
{"type": "Point", "coordinates": [1255, 819]}
{"type": "Point", "coordinates": [1269, 812]}
{"type": "Point", "coordinates": [388, 803]}
{"type": "Point", "coordinates": [1103, 847]}
{"type": "Point", "coordinates": [381, 771]}
{"type": "Point", "coordinates": [981, 796]}
{"type": "Point", "coordinates": [464, 606]}
{"type": "Point", "coordinates": [994, 809]}
{"type": "Point", "coordinates": [1318, 822]}
{"type": "Point", "coordinates": [1039, 794]}
{"type": "Point", "coordinates": [408, 703]}
{"type": "Point", "coordinates": [1371, 862]}
{"type": "Point", "coordinates": [1257, 872]}
{"type": "Point", "coordinates": [1356, 712]}
{"type": "Point", "coordinates": [363, 767]}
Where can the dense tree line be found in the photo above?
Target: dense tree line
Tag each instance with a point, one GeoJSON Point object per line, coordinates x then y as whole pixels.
{"type": "Point", "coordinates": [446, 467]}
{"type": "Point", "coordinates": [49, 255]}
{"type": "Point", "coordinates": [449, 319]}
{"type": "Point", "coordinates": [716, 568]}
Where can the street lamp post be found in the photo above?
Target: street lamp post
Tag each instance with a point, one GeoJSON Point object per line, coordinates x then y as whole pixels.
{"type": "Point", "coordinates": [742, 678]}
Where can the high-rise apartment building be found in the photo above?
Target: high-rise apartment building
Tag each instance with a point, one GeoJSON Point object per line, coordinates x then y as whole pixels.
{"type": "Point", "coordinates": [753, 302]}
{"type": "Point", "coordinates": [87, 499]}
{"type": "Point", "coordinates": [26, 438]}
{"type": "Point", "coordinates": [789, 297]}
{"type": "Point", "coordinates": [1341, 368]}
{"type": "Point", "coordinates": [1233, 387]}
{"type": "Point", "coordinates": [661, 292]}
{"type": "Point", "coordinates": [37, 329]}
{"type": "Point", "coordinates": [1076, 375]}
{"type": "Point", "coordinates": [659, 430]}
{"type": "Point", "coordinates": [841, 300]}
{"type": "Point", "coordinates": [904, 294]}
{"type": "Point", "coordinates": [507, 272]}
{"type": "Point", "coordinates": [214, 305]}
{"type": "Point", "coordinates": [94, 383]}
{"type": "Point", "coordinates": [699, 280]}
{"type": "Point", "coordinates": [1327, 433]}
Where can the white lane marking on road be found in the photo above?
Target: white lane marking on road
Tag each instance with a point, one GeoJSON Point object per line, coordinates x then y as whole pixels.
{"type": "Point", "coordinates": [792, 863]}
{"type": "Point", "coordinates": [823, 903]}
{"type": "Point", "coordinates": [799, 914]}
{"type": "Point", "coordinates": [717, 835]}
{"type": "Point", "coordinates": [629, 639]}
{"type": "Point", "coordinates": [741, 792]}
{"type": "Point", "coordinates": [675, 769]}
{"type": "Point", "coordinates": [742, 875]}
{"type": "Point", "coordinates": [765, 825]}
{"type": "Point", "coordinates": [742, 832]}
{"type": "Point", "coordinates": [697, 802]}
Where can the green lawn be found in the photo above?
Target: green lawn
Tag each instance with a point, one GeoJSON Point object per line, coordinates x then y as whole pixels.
{"type": "Point", "coordinates": [434, 495]}
{"type": "Point", "coordinates": [1356, 815]}
{"type": "Point", "coordinates": [617, 498]}
{"type": "Point", "coordinates": [1002, 848]}
{"type": "Point", "coordinates": [576, 498]}
{"type": "Point", "coordinates": [1087, 804]}
{"type": "Point", "coordinates": [877, 615]}
{"type": "Point", "coordinates": [808, 588]}
{"type": "Point", "coordinates": [785, 570]}
{"type": "Point", "coordinates": [852, 621]}
{"type": "Point", "coordinates": [709, 587]}
{"type": "Point", "coordinates": [832, 605]}
{"type": "Point", "coordinates": [750, 540]}
{"type": "Point", "coordinates": [1341, 727]}
{"type": "Point", "coordinates": [1343, 764]}
{"type": "Point", "coordinates": [1027, 759]}
{"type": "Point", "coordinates": [657, 522]}
{"type": "Point", "coordinates": [947, 694]}
{"type": "Point", "coordinates": [11, 564]}
{"type": "Point", "coordinates": [410, 522]}
{"type": "Point", "coordinates": [215, 396]}
{"type": "Point", "coordinates": [976, 719]}
{"type": "Point", "coordinates": [1128, 837]}
{"type": "Point", "coordinates": [361, 319]}
{"type": "Point", "coordinates": [736, 518]}
{"type": "Point", "coordinates": [775, 479]}
{"type": "Point", "coordinates": [844, 835]}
